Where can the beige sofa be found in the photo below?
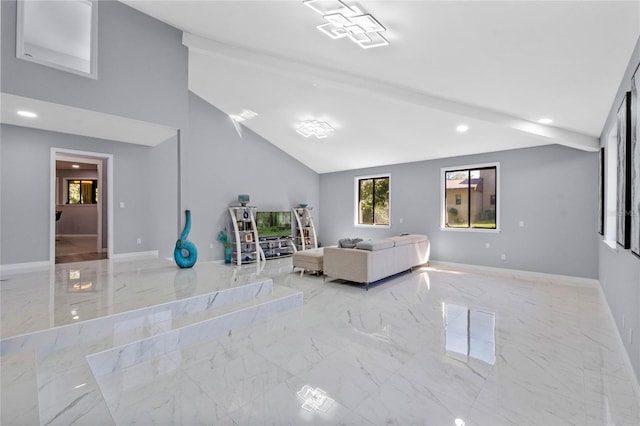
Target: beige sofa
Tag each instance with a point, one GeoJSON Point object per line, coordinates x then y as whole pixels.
{"type": "Point", "coordinates": [374, 260]}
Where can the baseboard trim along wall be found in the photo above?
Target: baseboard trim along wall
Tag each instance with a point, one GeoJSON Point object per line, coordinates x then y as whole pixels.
{"type": "Point", "coordinates": [634, 379]}
{"type": "Point", "coordinates": [27, 265]}
{"type": "Point", "coordinates": [568, 279]}
{"type": "Point", "coordinates": [46, 264]}
{"type": "Point", "coordinates": [151, 253]}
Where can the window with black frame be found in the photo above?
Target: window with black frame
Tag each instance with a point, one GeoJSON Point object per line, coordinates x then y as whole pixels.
{"type": "Point", "coordinates": [373, 200]}
{"type": "Point", "coordinates": [80, 191]}
{"type": "Point", "coordinates": [470, 197]}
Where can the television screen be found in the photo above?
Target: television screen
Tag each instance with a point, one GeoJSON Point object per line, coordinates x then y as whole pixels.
{"type": "Point", "coordinates": [274, 223]}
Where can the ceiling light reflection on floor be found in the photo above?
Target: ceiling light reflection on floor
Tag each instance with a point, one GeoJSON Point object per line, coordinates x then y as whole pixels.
{"type": "Point", "coordinates": [315, 399]}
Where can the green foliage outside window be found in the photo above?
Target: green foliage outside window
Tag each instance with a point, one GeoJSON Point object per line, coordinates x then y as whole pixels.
{"type": "Point", "coordinates": [82, 191]}
{"type": "Point", "coordinates": [373, 201]}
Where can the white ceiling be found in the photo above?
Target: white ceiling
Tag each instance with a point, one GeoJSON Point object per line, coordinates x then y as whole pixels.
{"type": "Point", "coordinates": [496, 66]}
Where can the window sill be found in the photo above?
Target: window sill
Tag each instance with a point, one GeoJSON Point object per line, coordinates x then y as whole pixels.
{"type": "Point", "coordinates": [373, 226]}
{"type": "Point", "coordinates": [480, 230]}
{"type": "Point", "coordinates": [611, 245]}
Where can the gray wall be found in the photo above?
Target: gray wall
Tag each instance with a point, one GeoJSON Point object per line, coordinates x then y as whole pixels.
{"type": "Point", "coordinates": [24, 186]}
{"type": "Point", "coordinates": [219, 165]}
{"type": "Point", "coordinates": [142, 68]}
{"type": "Point", "coordinates": [552, 189]}
{"type": "Point", "coordinates": [142, 74]}
{"type": "Point", "coordinates": [619, 268]}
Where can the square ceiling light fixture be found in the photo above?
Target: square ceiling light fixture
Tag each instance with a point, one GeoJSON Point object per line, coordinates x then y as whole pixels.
{"type": "Point", "coordinates": [319, 129]}
{"type": "Point", "coordinates": [348, 21]}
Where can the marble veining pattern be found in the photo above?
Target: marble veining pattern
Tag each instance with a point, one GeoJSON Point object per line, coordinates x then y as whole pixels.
{"type": "Point", "coordinates": [540, 351]}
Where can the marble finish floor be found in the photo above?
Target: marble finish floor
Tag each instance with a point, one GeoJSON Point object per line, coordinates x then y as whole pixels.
{"type": "Point", "coordinates": [438, 346]}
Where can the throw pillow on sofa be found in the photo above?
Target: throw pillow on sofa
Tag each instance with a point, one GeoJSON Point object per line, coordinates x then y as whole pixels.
{"type": "Point", "coordinates": [348, 242]}
{"type": "Point", "coordinates": [375, 245]}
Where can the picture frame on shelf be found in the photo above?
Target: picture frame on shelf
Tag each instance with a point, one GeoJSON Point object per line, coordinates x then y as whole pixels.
{"type": "Point", "coordinates": [248, 238]}
{"type": "Point", "coordinates": [634, 110]}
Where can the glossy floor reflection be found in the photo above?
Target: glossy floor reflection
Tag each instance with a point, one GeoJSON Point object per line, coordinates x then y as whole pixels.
{"type": "Point", "coordinates": [437, 346]}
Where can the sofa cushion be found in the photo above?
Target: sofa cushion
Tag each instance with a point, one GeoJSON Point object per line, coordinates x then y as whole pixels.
{"type": "Point", "coordinates": [401, 240]}
{"type": "Point", "coordinates": [374, 245]}
{"type": "Point", "coordinates": [348, 242]}
{"type": "Point", "coordinates": [417, 238]}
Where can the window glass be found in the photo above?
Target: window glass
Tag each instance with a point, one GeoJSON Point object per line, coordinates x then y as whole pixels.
{"type": "Point", "coordinates": [470, 198]}
{"type": "Point", "coordinates": [82, 191]}
{"type": "Point", "coordinates": [373, 200]}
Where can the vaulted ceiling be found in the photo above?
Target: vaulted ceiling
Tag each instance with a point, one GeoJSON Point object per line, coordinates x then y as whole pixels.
{"type": "Point", "coordinates": [497, 67]}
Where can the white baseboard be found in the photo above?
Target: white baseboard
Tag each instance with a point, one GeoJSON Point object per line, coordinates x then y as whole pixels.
{"type": "Point", "coordinates": [27, 265]}
{"type": "Point", "coordinates": [567, 279]}
{"type": "Point", "coordinates": [151, 253]}
{"type": "Point", "coordinates": [634, 378]}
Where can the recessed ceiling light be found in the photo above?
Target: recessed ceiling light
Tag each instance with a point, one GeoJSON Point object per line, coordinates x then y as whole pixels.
{"type": "Point", "coordinates": [28, 114]}
{"type": "Point", "coordinates": [75, 166]}
{"type": "Point", "coordinates": [545, 120]}
{"type": "Point", "coordinates": [462, 128]}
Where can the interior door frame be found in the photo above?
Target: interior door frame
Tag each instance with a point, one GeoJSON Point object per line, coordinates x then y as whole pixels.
{"type": "Point", "coordinates": [92, 158]}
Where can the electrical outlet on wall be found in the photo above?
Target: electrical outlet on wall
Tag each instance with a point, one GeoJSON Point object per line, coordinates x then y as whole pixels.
{"type": "Point", "coordinates": [139, 240]}
{"type": "Point", "coordinates": [503, 257]}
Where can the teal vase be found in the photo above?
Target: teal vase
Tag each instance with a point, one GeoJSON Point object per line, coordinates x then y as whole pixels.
{"type": "Point", "coordinates": [227, 254]}
{"type": "Point", "coordinates": [185, 253]}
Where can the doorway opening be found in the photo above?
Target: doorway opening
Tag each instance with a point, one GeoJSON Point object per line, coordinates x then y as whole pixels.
{"type": "Point", "coordinates": [82, 224]}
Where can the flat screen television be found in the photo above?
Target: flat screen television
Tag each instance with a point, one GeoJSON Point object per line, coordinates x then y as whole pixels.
{"type": "Point", "coordinates": [274, 224]}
